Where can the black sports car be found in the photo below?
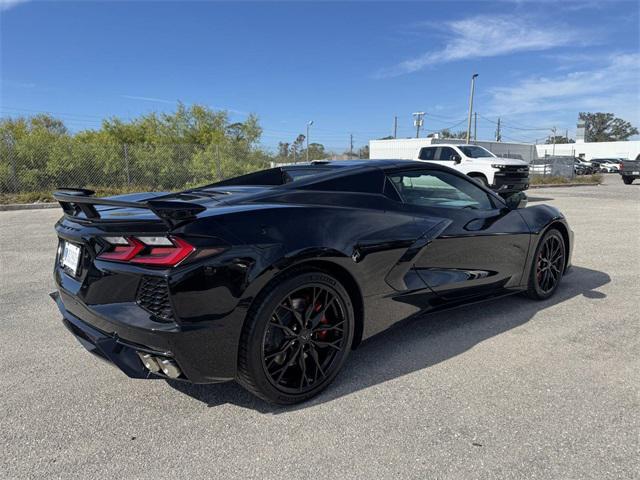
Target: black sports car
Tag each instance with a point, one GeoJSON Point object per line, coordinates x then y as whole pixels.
{"type": "Point", "coordinates": [272, 278]}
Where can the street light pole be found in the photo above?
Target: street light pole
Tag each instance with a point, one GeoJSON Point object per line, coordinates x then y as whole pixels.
{"type": "Point", "coordinates": [308, 125]}
{"type": "Point", "coordinates": [473, 85]}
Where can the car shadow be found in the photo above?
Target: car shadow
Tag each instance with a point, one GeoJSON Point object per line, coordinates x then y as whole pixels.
{"type": "Point", "coordinates": [415, 344]}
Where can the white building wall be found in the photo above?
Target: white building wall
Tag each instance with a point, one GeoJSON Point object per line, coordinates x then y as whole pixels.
{"type": "Point", "coordinates": [590, 150]}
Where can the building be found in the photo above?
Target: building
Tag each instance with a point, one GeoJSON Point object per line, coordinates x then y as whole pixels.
{"type": "Point", "coordinates": [590, 150]}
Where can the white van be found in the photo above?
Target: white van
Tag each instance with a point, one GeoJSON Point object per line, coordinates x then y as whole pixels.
{"type": "Point", "coordinates": [500, 174]}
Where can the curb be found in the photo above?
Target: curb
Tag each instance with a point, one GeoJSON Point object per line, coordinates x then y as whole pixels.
{"type": "Point", "coordinates": [560, 185]}
{"type": "Point", "coordinates": [27, 206]}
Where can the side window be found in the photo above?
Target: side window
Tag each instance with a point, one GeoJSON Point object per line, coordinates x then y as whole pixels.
{"type": "Point", "coordinates": [427, 153]}
{"type": "Point", "coordinates": [446, 153]}
{"type": "Point", "coordinates": [440, 189]}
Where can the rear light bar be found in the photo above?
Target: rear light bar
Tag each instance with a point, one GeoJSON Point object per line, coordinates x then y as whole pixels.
{"type": "Point", "coordinates": [156, 251]}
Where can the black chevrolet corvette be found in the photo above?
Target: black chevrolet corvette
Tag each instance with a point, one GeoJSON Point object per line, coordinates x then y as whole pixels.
{"type": "Point", "coordinates": [272, 278]}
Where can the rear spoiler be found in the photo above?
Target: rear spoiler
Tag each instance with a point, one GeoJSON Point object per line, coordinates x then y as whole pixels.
{"type": "Point", "coordinates": [75, 200]}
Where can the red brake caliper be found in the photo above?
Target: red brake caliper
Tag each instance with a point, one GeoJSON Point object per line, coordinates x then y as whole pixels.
{"type": "Point", "coordinates": [321, 334]}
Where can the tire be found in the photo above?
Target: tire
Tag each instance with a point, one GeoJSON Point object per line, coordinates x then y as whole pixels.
{"type": "Point", "coordinates": [278, 346]}
{"type": "Point", "coordinates": [481, 179]}
{"type": "Point", "coordinates": [538, 288]}
{"type": "Point", "coordinates": [627, 180]}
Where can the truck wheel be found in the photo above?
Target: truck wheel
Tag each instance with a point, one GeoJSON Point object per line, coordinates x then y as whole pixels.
{"type": "Point", "coordinates": [481, 179]}
{"type": "Point", "coordinates": [627, 180]}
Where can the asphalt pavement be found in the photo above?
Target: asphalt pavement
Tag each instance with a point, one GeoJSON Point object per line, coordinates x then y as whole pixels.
{"type": "Point", "coordinates": [507, 389]}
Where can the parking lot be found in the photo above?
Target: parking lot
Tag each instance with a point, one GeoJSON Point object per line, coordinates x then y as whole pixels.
{"type": "Point", "coordinates": [507, 389]}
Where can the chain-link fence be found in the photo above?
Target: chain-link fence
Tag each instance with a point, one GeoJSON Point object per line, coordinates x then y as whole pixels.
{"type": "Point", "coordinates": [557, 166]}
{"type": "Point", "coordinates": [32, 171]}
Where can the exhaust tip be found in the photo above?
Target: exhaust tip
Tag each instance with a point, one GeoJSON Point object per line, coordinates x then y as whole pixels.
{"type": "Point", "coordinates": [150, 362]}
{"type": "Point", "coordinates": [170, 368]}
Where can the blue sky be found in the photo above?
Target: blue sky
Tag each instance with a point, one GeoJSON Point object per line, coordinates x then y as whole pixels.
{"type": "Point", "coordinates": [348, 66]}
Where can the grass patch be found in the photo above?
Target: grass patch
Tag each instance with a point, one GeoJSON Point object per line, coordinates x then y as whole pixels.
{"type": "Point", "coordinates": [553, 180]}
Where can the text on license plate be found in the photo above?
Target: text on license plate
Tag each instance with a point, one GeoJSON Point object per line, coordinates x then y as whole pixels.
{"type": "Point", "coordinates": [71, 257]}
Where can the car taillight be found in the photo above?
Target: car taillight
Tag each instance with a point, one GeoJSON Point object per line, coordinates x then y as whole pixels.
{"type": "Point", "coordinates": [156, 251]}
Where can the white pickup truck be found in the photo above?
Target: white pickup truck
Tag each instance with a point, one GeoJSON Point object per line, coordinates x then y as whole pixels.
{"type": "Point", "coordinates": [500, 174]}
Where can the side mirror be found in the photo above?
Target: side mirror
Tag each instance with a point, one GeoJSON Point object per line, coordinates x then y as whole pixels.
{"type": "Point", "coordinates": [456, 158]}
{"type": "Point", "coordinates": [516, 200]}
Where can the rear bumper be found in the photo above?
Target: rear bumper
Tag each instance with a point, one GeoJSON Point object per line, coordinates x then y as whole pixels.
{"type": "Point", "coordinates": [201, 358]}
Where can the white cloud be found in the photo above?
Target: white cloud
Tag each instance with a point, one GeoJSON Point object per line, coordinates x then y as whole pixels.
{"type": "Point", "coordinates": [612, 87]}
{"type": "Point", "coordinates": [488, 36]}
{"type": "Point", "coordinates": [7, 4]}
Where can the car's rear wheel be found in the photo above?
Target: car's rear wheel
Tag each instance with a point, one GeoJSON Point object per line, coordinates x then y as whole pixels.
{"type": "Point", "coordinates": [296, 338]}
{"type": "Point", "coordinates": [627, 180]}
{"type": "Point", "coordinates": [548, 266]}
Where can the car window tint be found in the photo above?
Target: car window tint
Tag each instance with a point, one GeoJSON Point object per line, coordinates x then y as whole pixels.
{"type": "Point", "coordinates": [445, 153]}
{"type": "Point", "coordinates": [294, 174]}
{"type": "Point", "coordinates": [427, 153]}
{"type": "Point", "coordinates": [440, 189]}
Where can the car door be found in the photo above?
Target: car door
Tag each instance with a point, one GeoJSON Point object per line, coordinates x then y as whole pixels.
{"type": "Point", "coordinates": [484, 248]}
{"type": "Point", "coordinates": [441, 155]}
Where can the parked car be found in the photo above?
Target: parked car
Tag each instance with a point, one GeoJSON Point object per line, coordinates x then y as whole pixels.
{"type": "Point", "coordinates": [630, 170]}
{"type": "Point", "coordinates": [606, 165]}
{"type": "Point", "coordinates": [586, 167]}
{"type": "Point", "coordinates": [503, 175]}
{"type": "Point", "coordinates": [271, 280]}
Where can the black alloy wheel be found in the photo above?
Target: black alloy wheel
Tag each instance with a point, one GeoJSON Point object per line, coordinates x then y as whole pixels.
{"type": "Point", "coordinates": [548, 266]}
{"type": "Point", "coordinates": [303, 339]}
{"type": "Point", "coordinates": [297, 339]}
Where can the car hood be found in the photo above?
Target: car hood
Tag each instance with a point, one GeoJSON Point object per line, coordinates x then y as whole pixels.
{"type": "Point", "coordinates": [500, 161]}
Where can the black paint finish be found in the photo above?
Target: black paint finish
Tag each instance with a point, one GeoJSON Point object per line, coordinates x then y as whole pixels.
{"type": "Point", "coordinates": [395, 259]}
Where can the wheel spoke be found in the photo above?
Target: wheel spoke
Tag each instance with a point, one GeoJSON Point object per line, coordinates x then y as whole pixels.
{"type": "Point", "coordinates": [322, 344]}
{"type": "Point", "coordinates": [289, 344]}
{"type": "Point", "coordinates": [314, 355]}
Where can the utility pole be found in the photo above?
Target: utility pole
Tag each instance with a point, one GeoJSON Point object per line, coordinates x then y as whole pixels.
{"type": "Point", "coordinates": [418, 122]}
{"type": "Point", "coordinates": [473, 85]}
{"type": "Point", "coordinates": [395, 127]}
{"type": "Point", "coordinates": [350, 146]}
{"type": "Point", "coordinates": [553, 151]}
{"type": "Point", "coordinates": [308, 125]}
{"type": "Point", "coordinates": [475, 126]}
{"type": "Point", "coordinates": [566, 135]}
{"type": "Point", "coordinates": [498, 134]}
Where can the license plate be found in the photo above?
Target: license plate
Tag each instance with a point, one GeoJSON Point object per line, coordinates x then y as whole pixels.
{"type": "Point", "coordinates": [635, 173]}
{"type": "Point", "coordinates": [71, 257]}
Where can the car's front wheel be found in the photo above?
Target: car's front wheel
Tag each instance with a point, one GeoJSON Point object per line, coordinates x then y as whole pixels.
{"type": "Point", "coordinates": [548, 266]}
{"type": "Point", "coordinates": [296, 337]}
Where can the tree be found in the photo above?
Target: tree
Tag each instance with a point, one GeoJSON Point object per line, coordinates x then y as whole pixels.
{"type": "Point", "coordinates": [296, 147]}
{"type": "Point", "coordinates": [363, 152]}
{"type": "Point", "coordinates": [606, 127]}
{"type": "Point", "coordinates": [559, 139]}
{"type": "Point", "coordinates": [316, 152]}
{"type": "Point", "coordinates": [283, 150]}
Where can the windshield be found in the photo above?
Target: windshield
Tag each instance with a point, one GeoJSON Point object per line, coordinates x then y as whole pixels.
{"type": "Point", "coordinates": [473, 151]}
